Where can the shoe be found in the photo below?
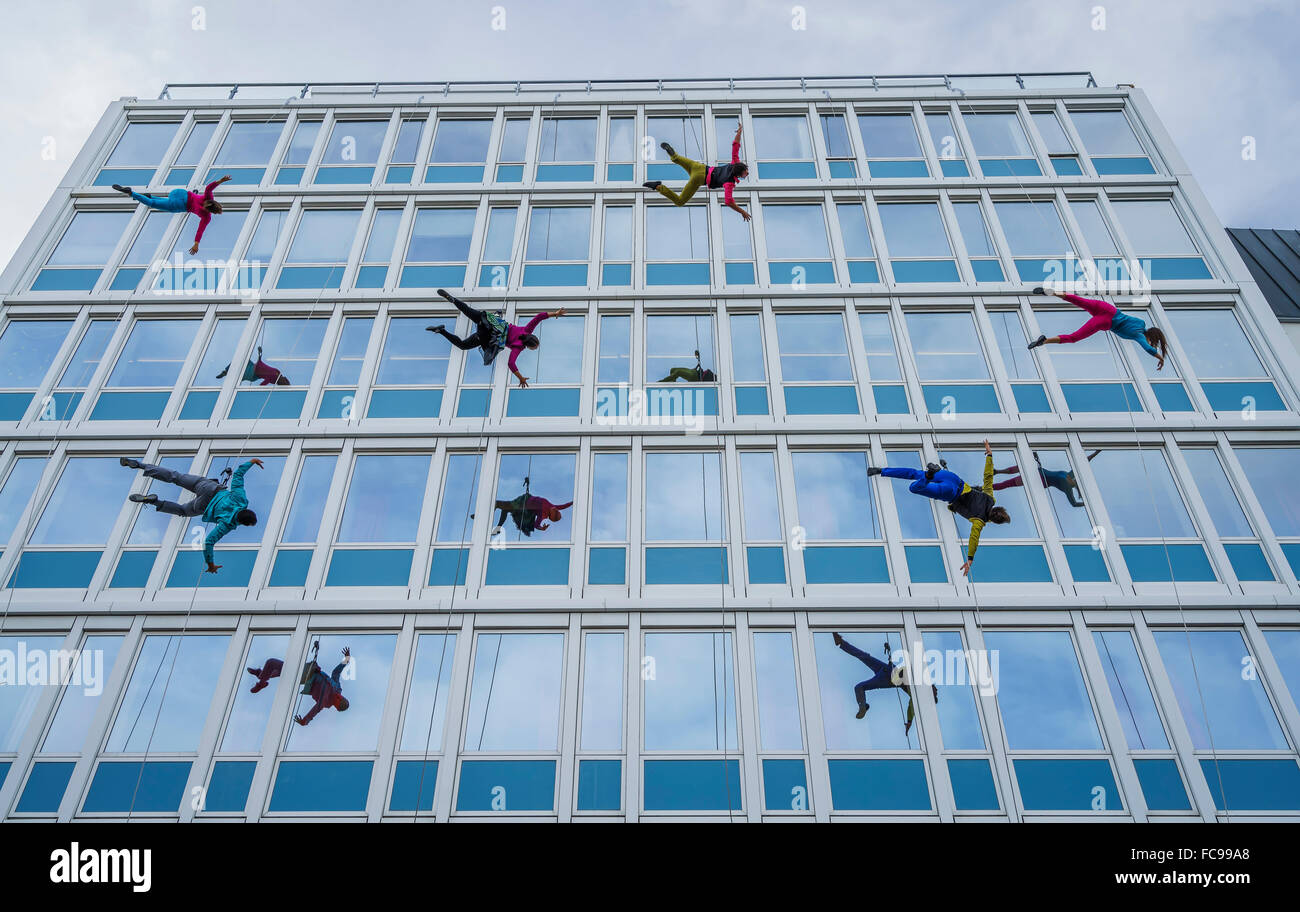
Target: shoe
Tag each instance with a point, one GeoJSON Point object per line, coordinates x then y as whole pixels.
{"type": "Point", "coordinates": [120, 189]}
{"type": "Point", "coordinates": [439, 329]}
{"type": "Point", "coordinates": [652, 185]}
{"type": "Point", "coordinates": [442, 292]}
{"type": "Point", "coordinates": [839, 640]}
{"type": "Point", "coordinates": [143, 498]}
{"type": "Point", "coordinates": [873, 470]}
{"type": "Point", "coordinates": [862, 710]}
{"type": "Point", "coordinates": [1041, 340]}
{"type": "Point", "coordinates": [260, 685]}
{"type": "Point", "coordinates": [1040, 290]}
{"type": "Point", "coordinates": [935, 688]}
{"type": "Point", "coordinates": [667, 148]}
{"type": "Point", "coordinates": [943, 463]}
{"type": "Point", "coordinates": [129, 462]}
{"type": "Point", "coordinates": [907, 727]}
{"type": "Point", "coordinates": [930, 470]}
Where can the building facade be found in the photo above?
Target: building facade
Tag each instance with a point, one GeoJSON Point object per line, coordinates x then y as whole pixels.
{"type": "Point", "coordinates": [1128, 647]}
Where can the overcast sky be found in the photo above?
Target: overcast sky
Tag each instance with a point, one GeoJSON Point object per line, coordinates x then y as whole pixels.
{"type": "Point", "coordinates": [1216, 70]}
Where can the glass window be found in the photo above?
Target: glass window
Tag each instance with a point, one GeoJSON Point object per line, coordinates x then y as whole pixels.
{"type": "Point", "coordinates": [500, 236]}
{"type": "Point", "coordinates": [407, 358]}
{"type": "Point", "coordinates": [461, 141]}
{"type": "Point", "coordinates": [889, 136]}
{"type": "Point", "coordinates": [88, 356]}
{"type": "Point", "coordinates": [559, 233]}
{"type": "Point", "coordinates": [724, 131]}
{"type": "Point", "coordinates": [1009, 333]}
{"type": "Point", "coordinates": [217, 356]}
{"type": "Point", "coordinates": [269, 225]}
{"type": "Point", "coordinates": [550, 476]}
{"type": "Point", "coordinates": [796, 232]}
{"type": "Point", "coordinates": [1106, 132]}
{"type": "Point", "coordinates": [514, 139]}
{"type": "Point", "coordinates": [747, 363]}
{"type": "Point", "coordinates": [1130, 691]}
{"type": "Point", "coordinates": [19, 696]}
{"type": "Point", "coordinates": [458, 491]}
{"type": "Point", "coordinates": [780, 138]}
{"type": "Point", "coordinates": [946, 144]}
{"type": "Point", "coordinates": [1041, 691]}
{"type": "Point", "coordinates": [1216, 344]}
{"type": "Point", "coordinates": [970, 218]}
{"type": "Point", "coordinates": [676, 233]}
{"type": "Point", "coordinates": [150, 526]}
{"type": "Point", "coordinates": [1285, 646]}
{"type": "Point", "coordinates": [615, 354]}
{"type": "Point", "coordinates": [1033, 229]}
{"type": "Point", "coordinates": [1224, 708]}
{"type": "Point", "coordinates": [837, 674]}
{"type": "Point", "coordinates": [760, 502]}
{"type": "Point", "coordinates": [426, 703]}
{"type": "Point", "coordinates": [959, 719]}
{"type": "Point", "coordinates": [683, 497]}
{"type": "Point", "coordinates": [778, 692]}
{"type": "Point", "coordinates": [914, 230]}
{"type": "Point", "coordinates": [146, 241]}
{"type": "Point", "coordinates": [90, 239]}
{"type": "Point", "coordinates": [690, 698]}
{"type": "Point", "coordinates": [308, 507]}
{"type": "Point", "coordinates": [324, 236]}
{"type": "Point", "coordinates": [836, 134]}
{"type": "Point", "coordinates": [248, 144]}
{"type": "Point", "coordinates": [408, 141]}
{"type": "Point", "coordinates": [618, 233]}
{"type": "Point", "coordinates": [80, 698]}
{"type": "Point", "coordinates": [503, 717]}
{"type": "Point", "coordinates": [292, 347]}
{"type": "Point", "coordinates": [622, 139]}
{"type": "Point", "coordinates": [568, 139]}
{"type": "Point", "coordinates": [364, 683]}
{"type": "Point", "coordinates": [383, 235]}
{"type": "Point", "coordinates": [154, 353]}
{"type": "Point", "coordinates": [1140, 494]}
{"type": "Point", "coordinates": [142, 143]}
{"type": "Point", "coordinates": [169, 695]}
{"type": "Point", "coordinates": [1056, 475]}
{"type": "Point", "coordinates": [602, 692]}
{"type": "Point", "coordinates": [441, 236]}
{"type": "Point", "coordinates": [27, 348]}
{"type": "Point", "coordinates": [17, 491]}
{"type": "Point", "coordinates": [854, 231]}
{"type": "Point", "coordinates": [384, 497]}
{"type": "Point", "coordinates": [1154, 228]}
{"type": "Point", "coordinates": [834, 498]}
{"type": "Point", "coordinates": [813, 347]}
{"type": "Point", "coordinates": [351, 351]}
{"type": "Point", "coordinates": [1053, 134]}
{"type": "Point", "coordinates": [878, 338]}
{"type": "Point", "coordinates": [609, 489]}
{"type": "Point", "coordinates": [684, 134]}
{"type": "Point", "coordinates": [1270, 471]}
{"type": "Point", "coordinates": [946, 346]}
{"type": "Point", "coordinates": [355, 142]}
{"type": "Point", "coordinates": [1217, 493]}
{"type": "Point", "coordinates": [1095, 232]}
{"type": "Point", "coordinates": [246, 726]}
{"type": "Point", "coordinates": [675, 341]}
{"type": "Point", "coordinates": [304, 138]}
{"type": "Point", "coordinates": [997, 134]}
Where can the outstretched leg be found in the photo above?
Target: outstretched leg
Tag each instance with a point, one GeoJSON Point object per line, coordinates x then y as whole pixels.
{"type": "Point", "coordinates": [1016, 482]}
{"type": "Point", "coordinates": [695, 177]}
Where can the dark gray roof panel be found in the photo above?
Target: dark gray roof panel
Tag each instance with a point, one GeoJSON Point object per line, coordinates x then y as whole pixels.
{"type": "Point", "coordinates": [1273, 257]}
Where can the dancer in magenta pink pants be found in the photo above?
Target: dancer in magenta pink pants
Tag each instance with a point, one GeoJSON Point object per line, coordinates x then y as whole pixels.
{"type": "Point", "coordinates": [1104, 315]}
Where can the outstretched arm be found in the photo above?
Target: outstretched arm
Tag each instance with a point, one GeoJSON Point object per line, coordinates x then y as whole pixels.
{"type": "Point", "coordinates": [976, 526]}
{"type": "Point", "coordinates": [219, 531]}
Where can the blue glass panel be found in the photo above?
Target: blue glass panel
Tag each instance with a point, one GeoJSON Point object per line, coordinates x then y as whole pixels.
{"type": "Point", "coordinates": [677, 274]}
{"type": "Point", "coordinates": [664, 171]}
{"type": "Point", "coordinates": [133, 569]}
{"type": "Point", "coordinates": [290, 568]}
{"type": "Point", "coordinates": [506, 785]}
{"type": "Point", "coordinates": [1176, 268]}
{"type": "Point", "coordinates": [898, 169]}
{"type": "Point", "coordinates": [553, 274]}
{"type": "Point", "coordinates": [543, 403]}
{"type": "Point", "coordinates": [447, 568]}
{"type": "Point", "coordinates": [972, 784]}
{"type": "Point", "coordinates": [1292, 552]}
{"type": "Point", "coordinates": [823, 564]}
{"type": "Point", "coordinates": [413, 783]}
{"type": "Point", "coordinates": [402, 174]}
{"type": "Point", "coordinates": [139, 177]}
{"type": "Point", "coordinates": [338, 403]}
{"type": "Point", "coordinates": [371, 277]}
{"type": "Point", "coordinates": [685, 566]}
{"type": "Point", "coordinates": [1032, 272]}
{"type": "Point", "coordinates": [55, 569]}
{"type": "Point", "coordinates": [566, 173]}
{"type": "Point", "coordinates": [321, 785]}
{"type": "Point", "coordinates": [510, 174]}
{"type": "Point", "coordinates": [1109, 269]}
{"type": "Point", "coordinates": [925, 564]}
{"type": "Point", "coordinates": [1031, 397]}
{"type": "Point", "coordinates": [198, 405]}
{"type": "Point", "coordinates": [289, 176]}
{"type": "Point", "coordinates": [1087, 564]}
{"type": "Point", "coordinates": [1162, 787]}
{"type": "Point", "coordinates": [1173, 397]}
{"type": "Point", "coordinates": [987, 271]}
{"type": "Point", "coordinates": [751, 400]}
{"type": "Point", "coordinates": [309, 277]}
{"type": "Point", "coordinates": [616, 274]}
{"type": "Point", "coordinates": [1254, 785]}
{"type": "Point", "coordinates": [978, 397]}
{"type": "Point", "coordinates": [473, 403]}
{"type": "Point", "coordinates": [4, 771]}
{"type": "Point", "coordinates": [843, 169]}
{"type": "Point", "coordinates": [1067, 785]}
{"type": "Point", "coordinates": [528, 567]}
{"type": "Point", "coordinates": [1151, 563]}
{"type": "Point", "coordinates": [14, 405]}
{"type": "Point", "coordinates": [268, 403]}
{"type": "Point", "coordinates": [1129, 165]}
{"type": "Point", "coordinates": [370, 568]}
{"type": "Point", "coordinates": [340, 174]}
{"type": "Point", "coordinates": [618, 173]}
{"type": "Point", "coordinates": [799, 170]}
{"type": "Point", "coordinates": [1010, 564]}
{"type": "Point", "coordinates": [188, 569]}
{"type": "Point", "coordinates": [432, 277]}
{"type": "Point", "coordinates": [1232, 397]}
{"type": "Point", "coordinates": [906, 271]}
{"type": "Point", "coordinates": [1101, 397]}
{"type": "Point", "coordinates": [785, 785]}
{"type": "Point", "coordinates": [611, 401]}
{"type": "Point", "coordinates": [607, 567]}
{"type": "Point", "coordinates": [738, 273]}
{"type": "Point", "coordinates": [864, 272]}
{"type": "Point", "coordinates": [1067, 166]}
{"type": "Point", "coordinates": [122, 786]}
{"type": "Point", "coordinates": [412, 403]}
{"type": "Point", "coordinates": [600, 784]}
{"type": "Point", "coordinates": [1009, 167]}
{"type": "Point", "coordinates": [65, 404]}
{"type": "Point", "coordinates": [453, 174]}
{"type": "Point", "coordinates": [695, 400]}
{"type": "Point", "coordinates": [238, 175]}
{"type": "Point", "coordinates": [814, 273]}
{"type": "Point", "coordinates": [127, 279]}
{"type": "Point", "coordinates": [879, 785]}
{"type": "Point", "coordinates": [1249, 562]}
{"type": "Point", "coordinates": [890, 399]}
{"type": "Point", "coordinates": [45, 788]}
{"type": "Point", "coordinates": [692, 785]}
{"type": "Point", "coordinates": [766, 565]}
{"type": "Point", "coordinates": [821, 400]}
{"type": "Point", "coordinates": [229, 785]}
{"type": "Point", "coordinates": [494, 276]}
{"type": "Point", "coordinates": [66, 279]}
{"type": "Point", "coordinates": [953, 167]}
